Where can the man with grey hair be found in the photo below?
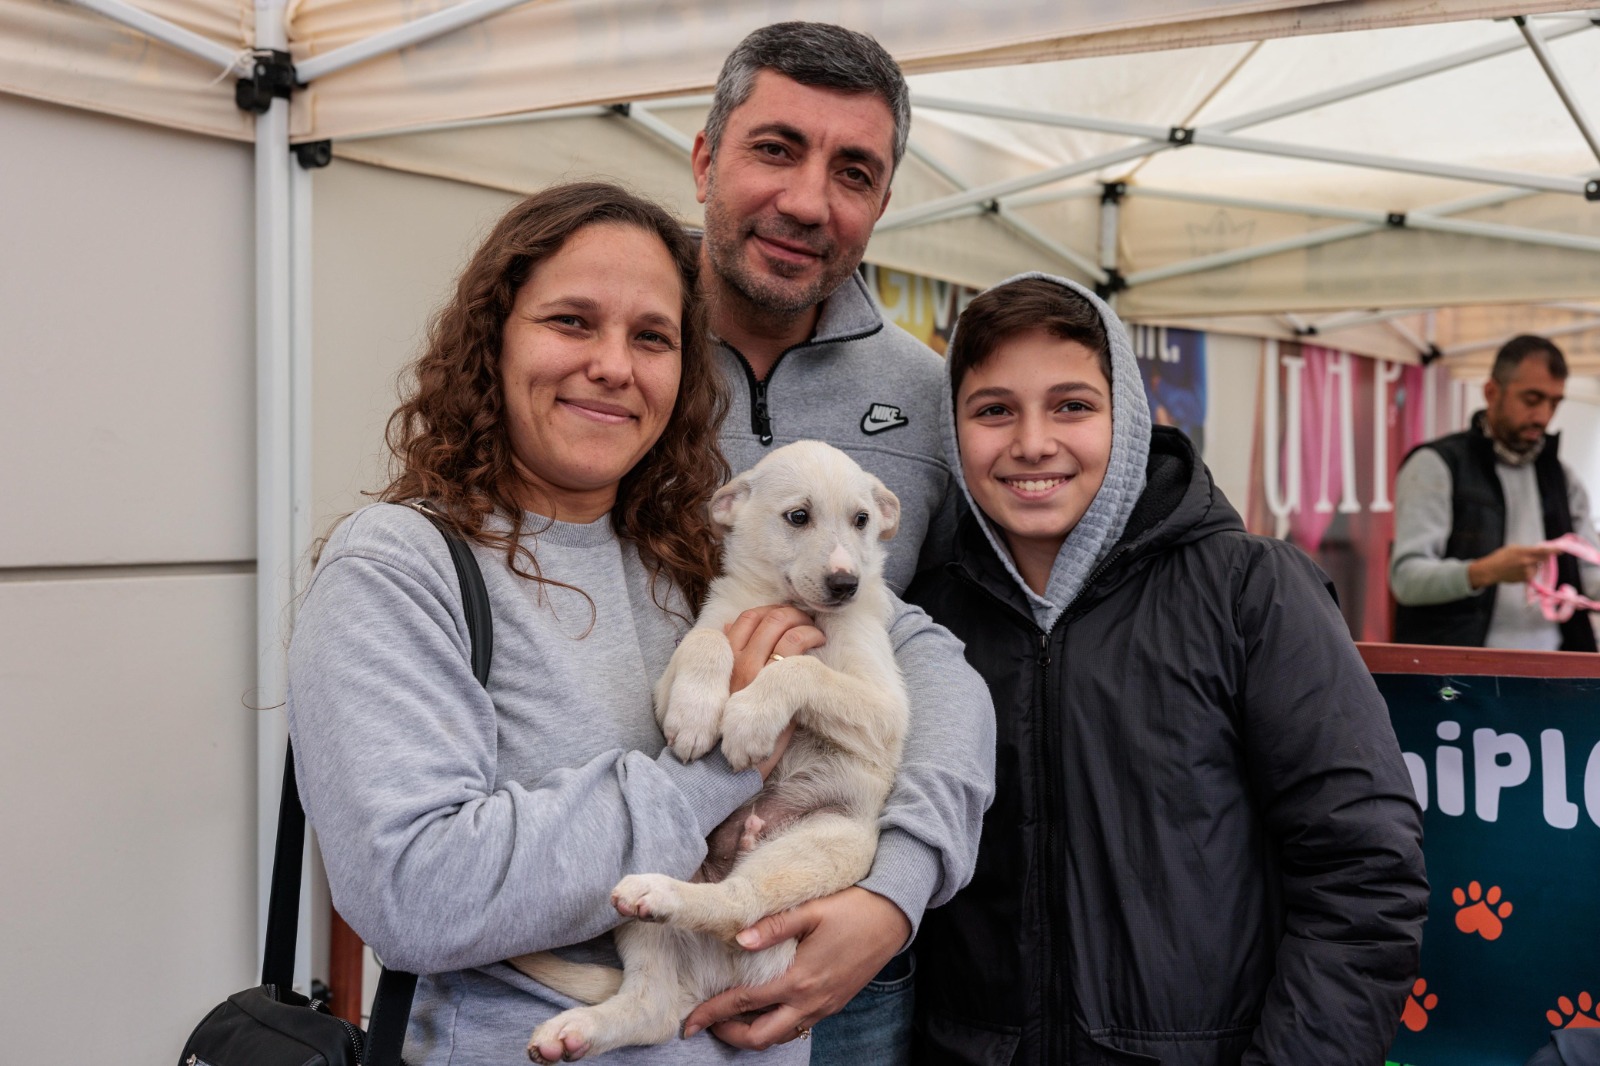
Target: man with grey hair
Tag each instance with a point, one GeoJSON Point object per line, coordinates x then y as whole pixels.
{"type": "Point", "coordinates": [1472, 510]}
{"type": "Point", "coordinates": [806, 128]}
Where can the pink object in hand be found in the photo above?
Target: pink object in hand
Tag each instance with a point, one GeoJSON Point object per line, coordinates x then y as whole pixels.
{"type": "Point", "coordinates": [1559, 603]}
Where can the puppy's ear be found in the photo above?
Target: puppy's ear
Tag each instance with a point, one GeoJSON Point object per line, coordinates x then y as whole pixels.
{"type": "Point", "coordinates": [888, 509]}
{"type": "Point", "coordinates": [728, 501]}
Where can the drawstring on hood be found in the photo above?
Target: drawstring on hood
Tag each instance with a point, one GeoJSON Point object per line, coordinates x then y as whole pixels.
{"type": "Point", "coordinates": [1101, 526]}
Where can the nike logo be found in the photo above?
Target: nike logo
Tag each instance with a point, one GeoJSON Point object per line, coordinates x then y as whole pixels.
{"type": "Point", "coordinates": [882, 416]}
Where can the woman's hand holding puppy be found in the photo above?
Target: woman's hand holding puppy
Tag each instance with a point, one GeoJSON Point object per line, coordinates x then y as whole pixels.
{"type": "Point", "coordinates": [756, 636]}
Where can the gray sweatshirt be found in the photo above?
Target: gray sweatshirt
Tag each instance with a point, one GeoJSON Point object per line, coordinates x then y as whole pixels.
{"type": "Point", "coordinates": [461, 826]}
{"type": "Point", "coordinates": [870, 389]}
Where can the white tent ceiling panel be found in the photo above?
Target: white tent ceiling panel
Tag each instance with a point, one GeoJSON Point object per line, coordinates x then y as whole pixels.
{"type": "Point", "coordinates": [528, 156]}
{"type": "Point", "coordinates": [562, 52]}
{"type": "Point", "coordinates": [556, 54]}
{"type": "Point", "coordinates": [68, 55]}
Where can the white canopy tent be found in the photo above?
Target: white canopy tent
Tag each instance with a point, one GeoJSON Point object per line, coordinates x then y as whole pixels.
{"type": "Point", "coordinates": [1347, 168]}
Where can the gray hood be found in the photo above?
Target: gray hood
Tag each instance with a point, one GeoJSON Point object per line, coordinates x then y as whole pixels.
{"type": "Point", "coordinates": [1102, 525]}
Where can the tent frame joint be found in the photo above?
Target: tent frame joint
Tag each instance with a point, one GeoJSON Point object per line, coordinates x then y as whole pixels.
{"type": "Point", "coordinates": [624, 109]}
{"type": "Point", "coordinates": [1180, 136]}
{"type": "Point", "coordinates": [1112, 192]}
{"type": "Point", "coordinates": [1591, 188]}
{"type": "Point", "coordinates": [314, 155]}
{"type": "Point", "coordinates": [272, 77]}
{"type": "Point", "coordinates": [1395, 220]}
{"type": "Point", "coordinates": [1115, 282]}
{"type": "Point", "coordinates": [1434, 352]}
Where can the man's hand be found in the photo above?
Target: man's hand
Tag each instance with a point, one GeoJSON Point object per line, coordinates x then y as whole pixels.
{"type": "Point", "coordinates": [845, 939]}
{"type": "Point", "coordinates": [1512, 563]}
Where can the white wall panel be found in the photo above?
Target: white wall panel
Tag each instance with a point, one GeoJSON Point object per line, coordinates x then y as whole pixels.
{"type": "Point", "coordinates": [1233, 382]}
{"type": "Point", "coordinates": [127, 850]}
{"type": "Point", "coordinates": [387, 249]}
{"type": "Point", "coordinates": [127, 419]}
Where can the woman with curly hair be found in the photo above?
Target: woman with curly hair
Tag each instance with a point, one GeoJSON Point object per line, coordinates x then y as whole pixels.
{"type": "Point", "coordinates": [564, 423]}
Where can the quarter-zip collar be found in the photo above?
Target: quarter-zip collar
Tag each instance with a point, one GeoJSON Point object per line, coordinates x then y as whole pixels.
{"type": "Point", "coordinates": [849, 314]}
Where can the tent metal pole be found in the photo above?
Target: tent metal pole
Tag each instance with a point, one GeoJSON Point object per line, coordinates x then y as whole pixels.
{"type": "Point", "coordinates": [946, 205]}
{"type": "Point", "coordinates": [1559, 331]}
{"type": "Point", "coordinates": [1020, 226]}
{"type": "Point", "coordinates": [1110, 220]}
{"type": "Point", "coordinates": [979, 194]}
{"type": "Point", "coordinates": [1480, 175]}
{"type": "Point", "coordinates": [653, 124]}
{"type": "Point", "coordinates": [274, 470]}
{"type": "Point", "coordinates": [1242, 255]}
{"type": "Point", "coordinates": [414, 32]}
{"type": "Point", "coordinates": [1352, 319]}
{"type": "Point", "coordinates": [1495, 231]}
{"type": "Point", "coordinates": [586, 111]}
{"type": "Point", "coordinates": [526, 117]}
{"type": "Point", "coordinates": [1422, 220]}
{"type": "Point", "coordinates": [1573, 308]}
{"type": "Point", "coordinates": [1053, 196]}
{"type": "Point", "coordinates": [170, 33]}
{"type": "Point", "coordinates": [1563, 90]}
{"type": "Point", "coordinates": [1252, 118]}
{"type": "Point", "coordinates": [1405, 333]}
{"type": "Point", "coordinates": [1377, 82]}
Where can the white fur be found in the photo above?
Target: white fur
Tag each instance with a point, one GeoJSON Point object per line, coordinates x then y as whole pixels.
{"type": "Point", "coordinates": [813, 829]}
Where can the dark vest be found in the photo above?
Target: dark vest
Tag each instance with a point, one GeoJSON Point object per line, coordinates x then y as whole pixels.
{"type": "Point", "coordinates": [1478, 527]}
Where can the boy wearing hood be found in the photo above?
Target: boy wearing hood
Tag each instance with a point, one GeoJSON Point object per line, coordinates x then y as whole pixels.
{"type": "Point", "coordinates": [1204, 846]}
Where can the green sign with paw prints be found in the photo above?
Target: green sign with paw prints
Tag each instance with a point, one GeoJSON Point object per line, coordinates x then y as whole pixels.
{"type": "Point", "coordinates": [1508, 772]}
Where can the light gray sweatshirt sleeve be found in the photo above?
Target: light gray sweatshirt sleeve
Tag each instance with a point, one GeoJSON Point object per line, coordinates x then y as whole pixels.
{"type": "Point", "coordinates": [433, 861]}
{"type": "Point", "coordinates": [1419, 573]}
{"type": "Point", "coordinates": [933, 821]}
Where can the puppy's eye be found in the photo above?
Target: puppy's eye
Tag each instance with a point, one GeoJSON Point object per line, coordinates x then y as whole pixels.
{"type": "Point", "coordinates": [797, 517]}
{"type": "Point", "coordinates": [861, 520]}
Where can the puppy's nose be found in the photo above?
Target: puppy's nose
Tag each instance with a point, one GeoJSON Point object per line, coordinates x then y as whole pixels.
{"type": "Point", "coordinates": [842, 585]}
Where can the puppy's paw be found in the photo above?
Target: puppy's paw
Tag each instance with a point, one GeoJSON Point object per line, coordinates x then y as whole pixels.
{"type": "Point", "coordinates": [565, 1038]}
{"type": "Point", "coordinates": [692, 720]}
{"type": "Point", "coordinates": [647, 897]}
{"type": "Point", "coordinates": [749, 729]}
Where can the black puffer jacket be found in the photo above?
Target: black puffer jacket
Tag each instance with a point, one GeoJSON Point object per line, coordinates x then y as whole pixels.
{"type": "Point", "coordinates": [1204, 848]}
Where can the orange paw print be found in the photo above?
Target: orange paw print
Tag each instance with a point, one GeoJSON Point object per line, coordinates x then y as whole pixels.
{"type": "Point", "coordinates": [1418, 1004]}
{"type": "Point", "coordinates": [1579, 1016]}
{"type": "Point", "coordinates": [1483, 915]}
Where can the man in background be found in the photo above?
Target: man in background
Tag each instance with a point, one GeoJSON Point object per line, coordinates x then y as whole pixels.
{"type": "Point", "coordinates": [1473, 510]}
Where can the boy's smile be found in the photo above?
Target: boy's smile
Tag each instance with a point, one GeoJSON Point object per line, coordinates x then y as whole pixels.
{"type": "Point", "coordinates": [1034, 425]}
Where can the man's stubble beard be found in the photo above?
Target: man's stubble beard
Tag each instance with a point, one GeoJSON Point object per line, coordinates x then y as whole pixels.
{"type": "Point", "coordinates": [724, 241]}
{"type": "Point", "coordinates": [1510, 438]}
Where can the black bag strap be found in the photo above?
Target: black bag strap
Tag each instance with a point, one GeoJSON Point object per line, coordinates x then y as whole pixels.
{"type": "Point", "coordinates": [391, 1005]}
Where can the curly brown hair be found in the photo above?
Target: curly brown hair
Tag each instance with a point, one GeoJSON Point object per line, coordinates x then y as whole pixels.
{"type": "Point", "coordinates": [448, 438]}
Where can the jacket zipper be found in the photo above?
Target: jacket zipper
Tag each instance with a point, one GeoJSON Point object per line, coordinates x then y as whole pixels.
{"type": "Point", "coordinates": [760, 416]}
{"type": "Point", "coordinates": [1056, 985]}
{"type": "Point", "coordinates": [1056, 1038]}
{"type": "Point", "coordinates": [760, 413]}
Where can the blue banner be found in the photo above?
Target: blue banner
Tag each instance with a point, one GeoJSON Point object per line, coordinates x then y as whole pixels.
{"type": "Point", "coordinates": [1172, 363]}
{"type": "Point", "coordinates": [1508, 771]}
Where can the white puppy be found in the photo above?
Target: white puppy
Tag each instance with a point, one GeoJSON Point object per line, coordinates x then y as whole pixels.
{"type": "Point", "coordinates": [805, 526]}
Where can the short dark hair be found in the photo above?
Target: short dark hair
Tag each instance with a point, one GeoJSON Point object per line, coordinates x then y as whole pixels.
{"type": "Point", "coordinates": [818, 54]}
{"type": "Point", "coordinates": [1025, 306]}
{"type": "Point", "coordinates": [1515, 350]}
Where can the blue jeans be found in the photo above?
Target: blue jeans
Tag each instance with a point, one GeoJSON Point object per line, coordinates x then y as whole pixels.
{"type": "Point", "coordinates": [874, 1028]}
